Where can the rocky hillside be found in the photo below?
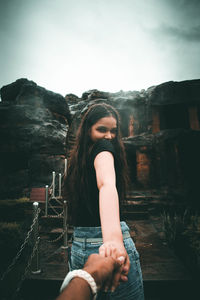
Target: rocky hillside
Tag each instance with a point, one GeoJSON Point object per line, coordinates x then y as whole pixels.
{"type": "Point", "coordinates": [160, 128]}
{"type": "Point", "coordinates": [33, 128]}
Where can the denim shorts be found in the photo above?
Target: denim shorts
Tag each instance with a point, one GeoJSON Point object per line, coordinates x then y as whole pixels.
{"type": "Point", "coordinates": [130, 290]}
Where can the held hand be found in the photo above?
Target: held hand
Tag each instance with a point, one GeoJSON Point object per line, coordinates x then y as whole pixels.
{"type": "Point", "coordinates": [116, 250]}
{"type": "Point", "coordinates": [105, 270]}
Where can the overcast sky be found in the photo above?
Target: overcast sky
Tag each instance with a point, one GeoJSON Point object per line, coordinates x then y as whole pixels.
{"type": "Point", "coordinates": [71, 46]}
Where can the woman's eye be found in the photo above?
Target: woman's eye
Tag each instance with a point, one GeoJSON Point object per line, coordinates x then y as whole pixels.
{"type": "Point", "coordinates": [101, 129]}
{"type": "Point", "coordinates": [114, 131]}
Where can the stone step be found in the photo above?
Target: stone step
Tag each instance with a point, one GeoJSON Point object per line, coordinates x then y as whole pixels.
{"type": "Point", "coordinates": [135, 215]}
{"type": "Point", "coordinates": [135, 206]}
{"type": "Point", "coordinates": [56, 232]}
{"type": "Point", "coordinates": [140, 197]}
{"type": "Point", "coordinates": [51, 221]}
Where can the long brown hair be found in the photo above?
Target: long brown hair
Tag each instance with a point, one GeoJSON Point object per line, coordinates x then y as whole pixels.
{"type": "Point", "coordinates": [76, 186]}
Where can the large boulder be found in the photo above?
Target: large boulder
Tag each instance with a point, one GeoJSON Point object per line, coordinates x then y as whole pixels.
{"type": "Point", "coordinates": [173, 92]}
{"type": "Point", "coordinates": [33, 128]}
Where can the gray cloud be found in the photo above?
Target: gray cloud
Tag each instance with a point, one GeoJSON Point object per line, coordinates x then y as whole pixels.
{"type": "Point", "coordinates": [75, 45]}
{"type": "Point", "coordinates": [186, 34]}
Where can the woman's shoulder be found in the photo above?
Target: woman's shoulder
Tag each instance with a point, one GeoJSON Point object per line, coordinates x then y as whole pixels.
{"type": "Point", "coordinates": [102, 145]}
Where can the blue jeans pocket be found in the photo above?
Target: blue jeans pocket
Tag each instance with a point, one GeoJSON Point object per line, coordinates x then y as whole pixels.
{"type": "Point", "coordinates": [133, 288]}
{"type": "Point", "coordinates": [79, 253]}
{"type": "Point", "coordinates": [77, 258]}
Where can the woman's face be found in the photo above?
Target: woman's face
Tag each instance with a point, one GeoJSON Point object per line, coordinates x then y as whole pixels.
{"type": "Point", "coordinates": [104, 128]}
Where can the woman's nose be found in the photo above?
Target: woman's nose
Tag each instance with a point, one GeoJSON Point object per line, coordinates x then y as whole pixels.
{"type": "Point", "coordinates": [108, 135]}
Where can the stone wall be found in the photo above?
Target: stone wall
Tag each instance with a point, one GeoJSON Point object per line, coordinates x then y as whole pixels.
{"type": "Point", "coordinates": [33, 128]}
{"type": "Point", "coordinates": [160, 128]}
{"type": "Point", "coordinates": [161, 133]}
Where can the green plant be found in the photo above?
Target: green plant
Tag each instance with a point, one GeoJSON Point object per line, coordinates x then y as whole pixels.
{"type": "Point", "coordinates": [14, 201]}
{"type": "Point", "coordinates": [10, 239]}
{"type": "Point", "coordinates": [182, 233]}
{"type": "Point", "coordinates": [22, 199]}
{"type": "Point", "coordinates": [192, 233]}
{"type": "Point", "coordinates": [12, 210]}
{"type": "Point", "coordinates": [174, 225]}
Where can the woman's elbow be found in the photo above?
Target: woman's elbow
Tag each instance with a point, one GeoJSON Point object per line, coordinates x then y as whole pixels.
{"type": "Point", "coordinates": [106, 185]}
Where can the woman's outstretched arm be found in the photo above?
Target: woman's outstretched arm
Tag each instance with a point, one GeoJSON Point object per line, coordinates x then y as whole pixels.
{"type": "Point", "coordinates": [109, 208]}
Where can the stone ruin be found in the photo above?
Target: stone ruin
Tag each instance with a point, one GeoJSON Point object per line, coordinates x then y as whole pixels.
{"type": "Point", "coordinates": [160, 128]}
{"type": "Point", "coordinates": [33, 127]}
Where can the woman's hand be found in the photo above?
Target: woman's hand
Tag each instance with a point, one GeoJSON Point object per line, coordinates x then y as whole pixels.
{"type": "Point", "coordinates": [116, 250]}
{"type": "Point", "coordinates": [105, 270]}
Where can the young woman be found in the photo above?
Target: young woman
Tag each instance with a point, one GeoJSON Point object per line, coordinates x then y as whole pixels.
{"type": "Point", "coordinates": [95, 188]}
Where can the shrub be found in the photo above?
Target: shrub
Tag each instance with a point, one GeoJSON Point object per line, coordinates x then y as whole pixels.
{"type": "Point", "coordinates": [10, 241]}
{"type": "Point", "coordinates": [12, 210]}
{"type": "Point", "coordinates": [174, 225]}
{"type": "Point", "coordinates": [182, 233]}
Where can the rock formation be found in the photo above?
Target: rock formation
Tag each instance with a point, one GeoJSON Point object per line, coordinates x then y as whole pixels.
{"type": "Point", "coordinates": [33, 128]}
{"type": "Point", "coordinates": [161, 133]}
{"type": "Point", "coordinates": [160, 128]}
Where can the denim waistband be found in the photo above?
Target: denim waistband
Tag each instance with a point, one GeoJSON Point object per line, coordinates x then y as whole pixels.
{"type": "Point", "coordinates": [96, 240]}
{"type": "Point", "coordinates": [94, 232]}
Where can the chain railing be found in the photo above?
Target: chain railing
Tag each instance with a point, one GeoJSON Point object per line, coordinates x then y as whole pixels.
{"type": "Point", "coordinates": [33, 231]}
{"type": "Point", "coordinates": [27, 269]}
{"type": "Point", "coordinates": [33, 263]}
{"type": "Point", "coordinates": [64, 232]}
{"type": "Point", "coordinates": [19, 253]}
{"type": "Point", "coordinates": [57, 239]}
{"type": "Point", "coordinates": [52, 191]}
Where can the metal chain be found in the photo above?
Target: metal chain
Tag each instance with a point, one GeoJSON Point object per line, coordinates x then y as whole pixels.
{"type": "Point", "coordinates": [61, 214]}
{"type": "Point", "coordinates": [26, 269]}
{"type": "Point", "coordinates": [57, 239]}
{"type": "Point", "coordinates": [56, 199]}
{"type": "Point", "coordinates": [10, 267]}
{"type": "Point", "coordinates": [55, 216]}
{"type": "Point", "coordinates": [55, 211]}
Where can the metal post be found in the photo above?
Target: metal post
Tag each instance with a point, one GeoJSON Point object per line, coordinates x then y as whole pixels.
{"type": "Point", "coordinates": [60, 185]}
{"type": "Point", "coordinates": [46, 200]}
{"type": "Point", "coordinates": [65, 171]}
{"type": "Point", "coordinates": [35, 263]}
{"type": "Point", "coordinates": [54, 175]}
{"type": "Point", "coordinates": [65, 224]}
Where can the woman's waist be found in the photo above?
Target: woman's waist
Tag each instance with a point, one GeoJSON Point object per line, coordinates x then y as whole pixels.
{"type": "Point", "coordinates": [95, 240]}
{"type": "Point", "coordinates": [95, 232]}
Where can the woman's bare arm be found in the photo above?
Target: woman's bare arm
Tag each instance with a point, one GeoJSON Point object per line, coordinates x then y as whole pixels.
{"type": "Point", "coordinates": [108, 196]}
{"type": "Point", "coordinates": [109, 207]}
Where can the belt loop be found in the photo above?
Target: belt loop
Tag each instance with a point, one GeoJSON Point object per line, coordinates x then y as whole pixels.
{"type": "Point", "coordinates": [84, 244]}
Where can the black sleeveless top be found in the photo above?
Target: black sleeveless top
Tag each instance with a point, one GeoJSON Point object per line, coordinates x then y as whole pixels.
{"type": "Point", "coordinates": [88, 209]}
